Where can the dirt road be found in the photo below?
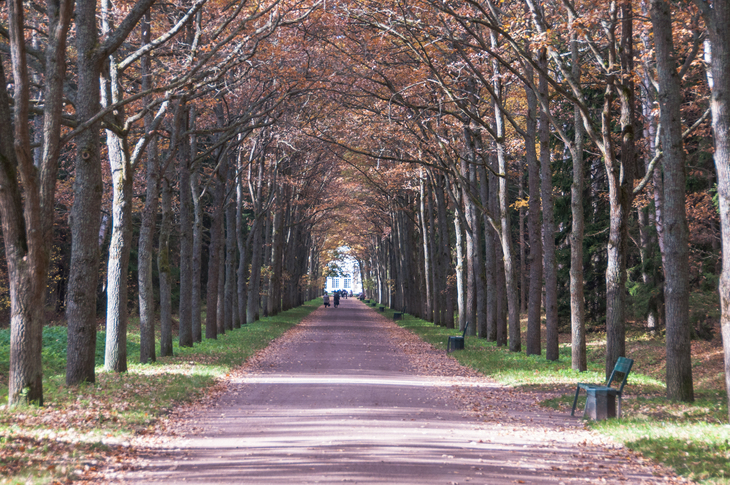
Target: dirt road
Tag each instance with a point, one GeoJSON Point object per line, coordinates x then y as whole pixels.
{"type": "Point", "coordinates": [348, 397]}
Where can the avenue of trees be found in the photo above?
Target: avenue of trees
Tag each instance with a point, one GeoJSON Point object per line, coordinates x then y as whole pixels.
{"type": "Point", "coordinates": [567, 160]}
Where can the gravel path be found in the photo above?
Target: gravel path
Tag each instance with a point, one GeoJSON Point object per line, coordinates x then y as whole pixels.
{"type": "Point", "coordinates": [349, 397]}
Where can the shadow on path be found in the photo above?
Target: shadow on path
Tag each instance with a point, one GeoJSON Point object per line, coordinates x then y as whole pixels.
{"type": "Point", "coordinates": [338, 399]}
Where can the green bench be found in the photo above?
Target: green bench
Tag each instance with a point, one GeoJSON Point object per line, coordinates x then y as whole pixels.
{"type": "Point", "coordinates": [601, 400]}
{"type": "Point", "coordinates": [456, 343]}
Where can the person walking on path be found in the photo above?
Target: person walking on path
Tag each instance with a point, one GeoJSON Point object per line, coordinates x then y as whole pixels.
{"type": "Point", "coordinates": [337, 299]}
{"type": "Point", "coordinates": [326, 299]}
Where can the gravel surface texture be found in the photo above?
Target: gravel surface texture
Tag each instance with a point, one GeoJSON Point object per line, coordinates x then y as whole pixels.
{"type": "Point", "coordinates": [347, 396]}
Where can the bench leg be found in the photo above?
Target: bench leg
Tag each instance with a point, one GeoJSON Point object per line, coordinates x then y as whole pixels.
{"type": "Point", "coordinates": [618, 411]}
{"type": "Point", "coordinates": [575, 401]}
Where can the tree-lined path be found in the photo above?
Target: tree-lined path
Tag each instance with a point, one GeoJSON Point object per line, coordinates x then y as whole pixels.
{"type": "Point", "coordinates": [349, 397]}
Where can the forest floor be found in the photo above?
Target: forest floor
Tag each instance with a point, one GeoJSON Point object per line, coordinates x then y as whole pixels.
{"type": "Point", "coordinates": [348, 396]}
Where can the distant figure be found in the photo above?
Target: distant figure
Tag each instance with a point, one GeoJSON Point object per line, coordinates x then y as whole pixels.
{"type": "Point", "coordinates": [326, 299]}
{"type": "Point", "coordinates": [337, 299]}
{"type": "Point", "coordinates": [350, 293]}
{"type": "Point", "coordinates": [344, 293]}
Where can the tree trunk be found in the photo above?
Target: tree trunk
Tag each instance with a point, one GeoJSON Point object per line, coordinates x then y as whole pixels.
{"type": "Point", "coordinates": [620, 176]}
{"type": "Point", "coordinates": [428, 305]}
{"type": "Point", "coordinates": [577, 301]}
{"type": "Point", "coordinates": [230, 285]}
{"type": "Point", "coordinates": [548, 223]}
{"type": "Point", "coordinates": [115, 358]}
{"type": "Point", "coordinates": [718, 18]}
{"type": "Point", "coordinates": [84, 217]}
{"type": "Point", "coordinates": [164, 271]}
{"type": "Point", "coordinates": [185, 305]}
{"type": "Point", "coordinates": [222, 321]}
{"type": "Point", "coordinates": [523, 252]}
{"type": "Point", "coordinates": [460, 268]}
{"type": "Point", "coordinates": [534, 306]}
{"type": "Point", "coordinates": [676, 238]}
{"type": "Point", "coordinates": [243, 245]}
{"type": "Point", "coordinates": [277, 249]}
{"type": "Point", "coordinates": [252, 308]}
{"type": "Point", "coordinates": [26, 271]}
{"type": "Point", "coordinates": [197, 269]}
{"type": "Point", "coordinates": [214, 251]}
{"type": "Point", "coordinates": [149, 213]}
{"type": "Point", "coordinates": [447, 305]}
{"type": "Point", "coordinates": [490, 263]}
{"type": "Point", "coordinates": [27, 194]}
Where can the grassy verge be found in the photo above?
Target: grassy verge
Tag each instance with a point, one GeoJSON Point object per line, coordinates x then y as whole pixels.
{"type": "Point", "coordinates": [81, 429]}
{"type": "Point", "coordinates": [693, 439]}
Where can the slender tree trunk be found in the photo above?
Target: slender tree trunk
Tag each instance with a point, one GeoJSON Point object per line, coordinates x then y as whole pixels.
{"type": "Point", "coordinates": [266, 266]}
{"type": "Point", "coordinates": [428, 305]}
{"type": "Point", "coordinates": [647, 215]}
{"type": "Point", "coordinates": [534, 309]}
{"type": "Point", "coordinates": [214, 251]}
{"type": "Point", "coordinates": [149, 213]}
{"type": "Point", "coordinates": [243, 245]}
{"type": "Point", "coordinates": [164, 270]}
{"type": "Point", "coordinates": [221, 311]}
{"type": "Point", "coordinates": [197, 269]}
{"type": "Point", "coordinates": [490, 298]}
{"type": "Point", "coordinates": [119, 250]}
{"type": "Point", "coordinates": [185, 306]}
{"type": "Point", "coordinates": [470, 243]}
{"type": "Point", "coordinates": [277, 247]}
{"type": "Point", "coordinates": [620, 182]}
{"type": "Point", "coordinates": [676, 267]}
{"type": "Point", "coordinates": [460, 268]}
{"type": "Point", "coordinates": [548, 224]}
{"type": "Point", "coordinates": [231, 247]}
{"type": "Point", "coordinates": [252, 308]}
{"type": "Point", "coordinates": [523, 252]}
{"type": "Point", "coordinates": [577, 301]}
{"type": "Point", "coordinates": [447, 308]}
{"type": "Point", "coordinates": [432, 250]}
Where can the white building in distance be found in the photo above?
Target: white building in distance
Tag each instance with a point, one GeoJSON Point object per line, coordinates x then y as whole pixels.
{"type": "Point", "coordinates": [348, 278]}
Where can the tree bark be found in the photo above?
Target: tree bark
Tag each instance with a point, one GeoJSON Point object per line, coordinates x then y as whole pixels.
{"type": "Point", "coordinates": [490, 263]}
{"type": "Point", "coordinates": [676, 238]}
{"type": "Point", "coordinates": [149, 213]}
{"type": "Point", "coordinates": [548, 222]}
{"type": "Point", "coordinates": [231, 248]}
{"type": "Point", "coordinates": [534, 308]}
{"type": "Point", "coordinates": [88, 189]}
{"type": "Point", "coordinates": [185, 305]}
{"type": "Point", "coordinates": [577, 300]}
{"type": "Point", "coordinates": [115, 358]}
{"type": "Point", "coordinates": [196, 298]}
{"type": "Point", "coordinates": [428, 305]}
{"type": "Point", "coordinates": [717, 19]}
{"type": "Point", "coordinates": [460, 269]}
{"type": "Point", "coordinates": [27, 195]}
{"type": "Point", "coordinates": [164, 271]}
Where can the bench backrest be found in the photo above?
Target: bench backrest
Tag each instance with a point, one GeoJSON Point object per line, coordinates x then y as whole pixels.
{"type": "Point", "coordinates": [463, 335]}
{"type": "Point", "coordinates": [623, 368]}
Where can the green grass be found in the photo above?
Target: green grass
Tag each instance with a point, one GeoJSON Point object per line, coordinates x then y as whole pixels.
{"type": "Point", "coordinates": [93, 421]}
{"type": "Point", "coordinates": [693, 439]}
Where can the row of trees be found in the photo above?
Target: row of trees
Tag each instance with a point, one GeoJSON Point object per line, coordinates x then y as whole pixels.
{"type": "Point", "coordinates": [495, 157]}
{"type": "Point", "coordinates": [191, 92]}
{"type": "Point", "coordinates": [453, 103]}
